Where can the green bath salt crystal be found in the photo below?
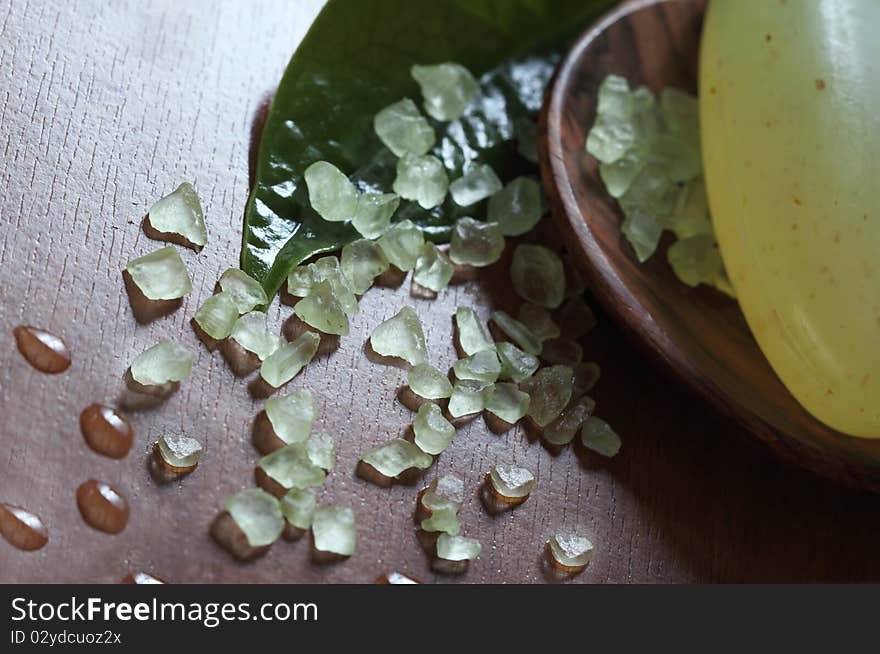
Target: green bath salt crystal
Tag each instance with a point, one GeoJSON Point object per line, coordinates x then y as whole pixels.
{"type": "Point", "coordinates": [468, 397]}
{"type": "Point", "coordinates": [516, 365]}
{"type": "Point", "coordinates": [562, 350]}
{"type": "Point", "coordinates": [433, 432]}
{"type": "Point", "coordinates": [292, 416]}
{"type": "Point", "coordinates": [576, 318]}
{"type": "Point", "coordinates": [160, 275]}
{"type": "Point", "coordinates": [287, 361]}
{"type": "Point", "coordinates": [180, 212]}
{"type": "Point", "coordinates": [611, 137]}
{"type": "Point", "coordinates": [507, 402]}
{"type": "Point", "coordinates": [426, 381]}
{"type": "Point", "coordinates": [180, 451]}
{"type": "Point", "coordinates": [333, 530]}
{"type": "Point", "coordinates": [292, 467]}
{"type": "Point", "coordinates": [321, 450]}
{"type": "Point", "coordinates": [526, 133]}
{"type": "Point", "coordinates": [298, 507]}
{"type": "Point", "coordinates": [373, 214]}
{"type": "Point", "coordinates": [563, 430]}
{"type": "Point", "coordinates": [396, 456]}
{"type": "Point", "coordinates": [328, 269]}
{"type": "Point", "coordinates": [322, 310]}
{"type": "Point", "coordinates": [361, 262]}
{"type": "Point", "coordinates": [691, 214]}
{"type": "Point", "coordinates": [258, 515]}
{"type": "Point", "coordinates": [164, 362]}
{"type": "Point", "coordinates": [401, 336]}
{"type": "Point", "coordinates": [433, 270]}
{"type": "Point", "coordinates": [444, 492]}
{"type": "Point", "coordinates": [586, 374]}
{"type": "Point", "coordinates": [472, 334]}
{"type": "Point", "coordinates": [331, 193]}
{"type": "Point", "coordinates": [403, 129]}
{"type": "Point", "coordinates": [421, 179]}
{"type": "Point", "coordinates": [597, 435]}
{"type": "Point", "coordinates": [517, 207]}
{"type": "Point", "coordinates": [619, 176]}
{"type": "Point", "coordinates": [475, 243]}
{"type": "Point", "coordinates": [443, 520]}
{"type": "Point", "coordinates": [301, 280]}
{"type": "Point", "coordinates": [681, 115]}
{"type": "Point", "coordinates": [652, 193]}
{"type": "Point", "coordinates": [571, 550]}
{"type": "Point", "coordinates": [538, 275]}
{"type": "Point", "coordinates": [251, 331]}
{"type": "Point", "coordinates": [447, 89]}
{"type": "Point", "coordinates": [643, 233]}
{"type": "Point", "coordinates": [246, 292]}
{"type": "Point", "coordinates": [477, 184]}
{"type": "Point", "coordinates": [511, 481]}
{"type": "Point", "coordinates": [696, 260]}
{"type": "Point", "coordinates": [549, 391]}
{"type": "Point", "coordinates": [614, 97]}
{"type": "Point", "coordinates": [402, 245]}
{"type": "Point", "coordinates": [217, 315]}
{"type": "Point", "coordinates": [517, 332]}
{"type": "Point", "coordinates": [457, 548]}
{"type": "Point", "coordinates": [538, 320]}
{"type": "Point", "coordinates": [482, 366]}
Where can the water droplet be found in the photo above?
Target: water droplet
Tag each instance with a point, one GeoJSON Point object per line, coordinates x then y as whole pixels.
{"type": "Point", "coordinates": [21, 528]}
{"type": "Point", "coordinates": [44, 351]}
{"type": "Point", "coordinates": [102, 507]}
{"type": "Point", "coordinates": [106, 431]}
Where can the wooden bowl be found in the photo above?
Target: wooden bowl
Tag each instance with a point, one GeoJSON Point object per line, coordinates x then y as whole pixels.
{"type": "Point", "coordinates": [699, 335]}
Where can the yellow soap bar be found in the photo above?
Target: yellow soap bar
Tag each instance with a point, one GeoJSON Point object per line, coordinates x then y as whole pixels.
{"type": "Point", "coordinates": [790, 123]}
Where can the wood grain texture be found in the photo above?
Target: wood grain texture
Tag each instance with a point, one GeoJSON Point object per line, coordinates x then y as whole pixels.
{"type": "Point", "coordinates": [106, 106]}
{"type": "Point", "coordinates": [699, 334]}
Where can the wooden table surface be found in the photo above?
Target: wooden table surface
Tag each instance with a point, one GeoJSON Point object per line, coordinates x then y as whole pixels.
{"type": "Point", "coordinates": [104, 107]}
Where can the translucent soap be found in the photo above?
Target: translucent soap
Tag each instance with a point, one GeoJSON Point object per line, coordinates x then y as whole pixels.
{"type": "Point", "coordinates": [331, 193]}
{"type": "Point", "coordinates": [321, 449]}
{"type": "Point", "coordinates": [361, 262]}
{"type": "Point", "coordinates": [475, 243]}
{"type": "Point", "coordinates": [217, 315]}
{"type": "Point", "coordinates": [298, 507]}
{"type": "Point", "coordinates": [433, 432]}
{"type": "Point", "coordinates": [287, 361]}
{"type": "Point", "coordinates": [538, 275]}
{"type": "Point", "coordinates": [563, 430]}
{"type": "Point", "coordinates": [516, 365]}
{"type": "Point", "coordinates": [401, 336]}
{"type": "Point", "coordinates": [373, 214]}
{"type": "Point", "coordinates": [426, 381]}
{"type": "Point", "coordinates": [251, 331]}
{"type": "Point", "coordinates": [457, 548]}
{"type": "Point", "coordinates": [180, 212]}
{"type": "Point", "coordinates": [403, 128]}
{"type": "Point", "coordinates": [447, 89]}
{"type": "Point", "coordinates": [421, 179]}
{"type": "Point", "coordinates": [549, 391]}
{"type": "Point", "coordinates": [443, 520]}
{"type": "Point", "coordinates": [292, 416]}
{"type": "Point", "coordinates": [402, 244]}
{"type": "Point", "coordinates": [258, 515]}
{"type": "Point", "coordinates": [510, 481]}
{"type": "Point", "coordinates": [396, 456]}
{"type": "Point", "coordinates": [517, 332]}
{"type": "Point", "coordinates": [164, 362]}
{"type": "Point", "coordinates": [597, 435]}
{"type": "Point", "coordinates": [160, 275]}
{"type": "Point", "coordinates": [468, 396]}
{"type": "Point", "coordinates": [433, 269]}
{"type": "Point", "coordinates": [446, 491]}
{"type": "Point", "coordinates": [246, 292]}
{"type": "Point", "coordinates": [538, 320]}
{"type": "Point", "coordinates": [333, 530]}
{"type": "Point", "coordinates": [571, 551]}
{"type": "Point", "coordinates": [643, 233]}
{"type": "Point", "coordinates": [562, 350]}
{"type": "Point", "coordinates": [695, 260]}
{"type": "Point", "coordinates": [322, 310]}
{"type": "Point", "coordinates": [479, 183]}
{"type": "Point", "coordinates": [516, 208]}
{"type": "Point", "coordinates": [473, 336]}
{"type": "Point", "coordinates": [291, 467]}
{"type": "Point", "coordinates": [180, 451]}
{"type": "Point", "coordinates": [507, 402]}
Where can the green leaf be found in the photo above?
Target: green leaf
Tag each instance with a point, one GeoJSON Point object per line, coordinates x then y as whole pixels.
{"type": "Point", "coordinates": [354, 61]}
